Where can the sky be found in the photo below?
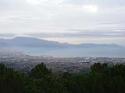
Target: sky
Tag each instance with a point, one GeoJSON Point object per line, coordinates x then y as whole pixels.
{"type": "Point", "coordinates": [69, 21]}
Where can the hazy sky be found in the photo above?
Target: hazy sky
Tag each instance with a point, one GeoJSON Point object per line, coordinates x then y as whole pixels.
{"type": "Point", "coordinates": [72, 21]}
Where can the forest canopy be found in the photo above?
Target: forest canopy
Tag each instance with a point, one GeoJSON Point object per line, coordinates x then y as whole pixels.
{"type": "Point", "coordinates": [102, 78]}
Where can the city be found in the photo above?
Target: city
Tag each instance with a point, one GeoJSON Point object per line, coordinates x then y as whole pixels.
{"type": "Point", "coordinates": [25, 63]}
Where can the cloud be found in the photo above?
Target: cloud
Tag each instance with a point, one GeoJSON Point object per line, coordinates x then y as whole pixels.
{"type": "Point", "coordinates": [52, 18]}
{"type": "Point", "coordinates": [109, 3]}
{"type": "Point", "coordinates": [81, 34]}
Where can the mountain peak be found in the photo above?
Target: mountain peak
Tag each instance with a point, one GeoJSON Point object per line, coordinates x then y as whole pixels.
{"type": "Point", "coordinates": [39, 46]}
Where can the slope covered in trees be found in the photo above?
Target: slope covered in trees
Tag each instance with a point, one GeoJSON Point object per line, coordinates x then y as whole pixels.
{"type": "Point", "coordinates": [102, 78]}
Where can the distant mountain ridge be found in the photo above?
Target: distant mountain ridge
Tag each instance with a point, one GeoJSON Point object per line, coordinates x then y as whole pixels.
{"type": "Point", "coordinates": [51, 48]}
{"type": "Point", "coordinates": [27, 41]}
{"type": "Point", "coordinates": [35, 42]}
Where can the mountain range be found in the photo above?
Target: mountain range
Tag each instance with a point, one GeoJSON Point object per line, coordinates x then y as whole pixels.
{"type": "Point", "coordinates": [35, 46]}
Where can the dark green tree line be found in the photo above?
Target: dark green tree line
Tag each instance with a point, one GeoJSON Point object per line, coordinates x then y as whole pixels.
{"type": "Point", "coordinates": [102, 78]}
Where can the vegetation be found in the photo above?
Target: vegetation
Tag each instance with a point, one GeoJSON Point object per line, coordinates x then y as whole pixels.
{"type": "Point", "coordinates": [102, 78]}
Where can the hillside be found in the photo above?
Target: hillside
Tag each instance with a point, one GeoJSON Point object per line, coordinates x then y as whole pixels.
{"type": "Point", "coordinates": [36, 46]}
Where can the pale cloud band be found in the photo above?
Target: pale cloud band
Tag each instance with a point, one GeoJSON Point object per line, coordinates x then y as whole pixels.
{"type": "Point", "coordinates": [64, 19]}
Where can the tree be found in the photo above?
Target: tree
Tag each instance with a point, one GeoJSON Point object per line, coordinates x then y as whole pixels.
{"type": "Point", "coordinates": [99, 68]}
{"type": "Point", "coordinates": [10, 81]}
{"type": "Point", "coordinates": [40, 71]}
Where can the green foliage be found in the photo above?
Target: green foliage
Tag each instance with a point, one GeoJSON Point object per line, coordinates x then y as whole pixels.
{"type": "Point", "coordinates": [100, 79]}
{"type": "Point", "coordinates": [10, 80]}
{"type": "Point", "coordinates": [40, 71]}
{"type": "Point", "coordinates": [99, 68]}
